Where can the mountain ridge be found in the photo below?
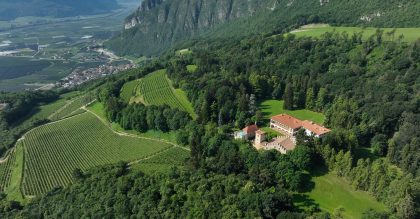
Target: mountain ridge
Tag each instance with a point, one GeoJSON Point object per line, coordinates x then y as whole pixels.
{"type": "Point", "coordinates": [159, 24]}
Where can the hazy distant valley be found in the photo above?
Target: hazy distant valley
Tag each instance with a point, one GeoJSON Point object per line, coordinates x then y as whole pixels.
{"type": "Point", "coordinates": [38, 55]}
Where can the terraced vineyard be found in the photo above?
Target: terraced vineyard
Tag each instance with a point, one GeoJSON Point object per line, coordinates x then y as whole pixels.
{"type": "Point", "coordinates": [72, 107]}
{"type": "Point", "coordinates": [156, 89]}
{"type": "Point", "coordinates": [54, 151]}
{"type": "Point", "coordinates": [6, 170]}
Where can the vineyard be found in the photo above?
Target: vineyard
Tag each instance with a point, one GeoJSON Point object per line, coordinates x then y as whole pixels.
{"type": "Point", "coordinates": [6, 170]}
{"type": "Point", "coordinates": [156, 89]}
{"type": "Point", "coordinates": [73, 107]}
{"type": "Point", "coordinates": [54, 151]}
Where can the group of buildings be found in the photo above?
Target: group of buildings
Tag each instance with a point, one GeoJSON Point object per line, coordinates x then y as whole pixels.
{"type": "Point", "coordinates": [285, 124]}
{"type": "Point", "coordinates": [80, 76]}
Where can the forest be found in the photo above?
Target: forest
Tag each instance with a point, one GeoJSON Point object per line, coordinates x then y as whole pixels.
{"type": "Point", "coordinates": [367, 89]}
{"type": "Point", "coordinates": [20, 106]}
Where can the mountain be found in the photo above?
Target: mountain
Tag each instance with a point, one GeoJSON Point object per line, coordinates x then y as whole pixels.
{"type": "Point", "coordinates": [11, 9]}
{"type": "Point", "coordinates": [159, 24]}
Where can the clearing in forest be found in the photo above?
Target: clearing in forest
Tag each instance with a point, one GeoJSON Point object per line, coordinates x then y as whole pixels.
{"type": "Point", "coordinates": [271, 108]}
{"type": "Point", "coordinates": [334, 194]}
{"type": "Point", "coordinates": [156, 89]}
{"type": "Point", "coordinates": [54, 151]}
{"type": "Point", "coordinates": [316, 30]}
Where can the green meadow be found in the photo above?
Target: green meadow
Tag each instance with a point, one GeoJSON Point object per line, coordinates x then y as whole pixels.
{"type": "Point", "coordinates": [316, 30]}
{"type": "Point", "coordinates": [271, 108]}
{"type": "Point", "coordinates": [335, 195]}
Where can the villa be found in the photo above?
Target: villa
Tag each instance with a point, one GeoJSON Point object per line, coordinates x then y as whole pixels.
{"type": "Point", "coordinates": [288, 126]}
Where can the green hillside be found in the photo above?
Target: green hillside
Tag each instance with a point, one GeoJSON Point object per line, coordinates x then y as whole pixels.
{"type": "Point", "coordinates": [156, 89]}
{"type": "Point", "coordinates": [316, 30]}
{"type": "Point", "coordinates": [334, 194]}
{"type": "Point", "coordinates": [54, 151]}
{"type": "Point", "coordinates": [177, 20]}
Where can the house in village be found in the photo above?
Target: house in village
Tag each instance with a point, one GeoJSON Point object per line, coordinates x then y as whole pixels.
{"type": "Point", "coordinates": [288, 126]}
{"type": "Point", "coordinates": [246, 133]}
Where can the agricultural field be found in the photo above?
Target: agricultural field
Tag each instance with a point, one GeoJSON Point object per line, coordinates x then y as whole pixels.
{"type": "Point", "coordinates": [164, 161]}
{"type": "Point", "coordinates": [14, 67]}
{"type": "Point", "coordinates": [129, 90]}
{"type": "Point", "coordinates": [55, 150]}
{"type": "Point", "coordinates": [274, 107]}
{"type": "Point", "coordinates": [72, 107]}
{"type": "Point", "coordinates": [156, 89]}
{"type": "Point", "coordinates": [333, 194]}
{"type": "Point", "coordinates": [6, 166]}
{"type": "Point", "coordinates": [316, 30]}
{"type": "Point", "coordinates": [58, 46]}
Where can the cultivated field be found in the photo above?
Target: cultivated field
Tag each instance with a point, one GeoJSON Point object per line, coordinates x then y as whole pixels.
{"type": "Point", "coordinates": [71, 108]}
{"type": "Point", "coordinates": [6, 167]}
{"type": "Point", "coordinates": [156, 89]}
{"type": "Point", "coordinates": [316, 30]}
{"type": "Point", "coordinates": [275, 107]}
{"type": "Point", "coordinates": [54, 151]}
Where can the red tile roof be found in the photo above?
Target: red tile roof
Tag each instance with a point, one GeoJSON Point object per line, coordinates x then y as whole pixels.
{"type": "Point", "coordinates": [288, 120]}
{"type": "Point", "coordinates": [250, 129]}
{"type": "Point", "coordinates": [315, 128]}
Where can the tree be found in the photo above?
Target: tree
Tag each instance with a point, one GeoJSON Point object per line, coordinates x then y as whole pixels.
{"type": "Point", "coordinates": [321, 101]}
{"type": "Point", "coordinates": [406, 207]}
{"type": "Point", "coordinates": [310, 99]}
{"type": "Point", "coordinates": [379, 144]}
{"type": "Point", "coordinates": [288, 97]}
{"type": "Point", "coordinates": [278, 91]}
{"type": "Point", "coordinates": [300, 103]}
{"type": "Point", "coordinates": [258, 117]}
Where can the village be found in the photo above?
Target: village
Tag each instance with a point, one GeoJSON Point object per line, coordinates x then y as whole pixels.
{"type": "Point", "coordinates": [80, 76]}
{"type": "Point", "coordinates": [287, 126]}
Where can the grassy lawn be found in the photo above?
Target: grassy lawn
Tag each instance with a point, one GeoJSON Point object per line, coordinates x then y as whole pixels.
{"type": "Point", "coordinates": [316, 30]}
{"type": "Point", "coordinates": [271, 132]}
{"type": "Point", "coordinates": [332, 192]}
{"type": "Point", "coordinates": [275, 107]}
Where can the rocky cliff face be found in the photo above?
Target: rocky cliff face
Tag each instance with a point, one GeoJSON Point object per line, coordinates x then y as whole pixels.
{"type": "Point", "coordinates": [159, 24]}
{"type": "Point", "coordinates": [164, 22]}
